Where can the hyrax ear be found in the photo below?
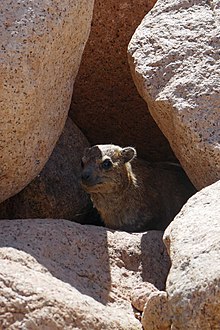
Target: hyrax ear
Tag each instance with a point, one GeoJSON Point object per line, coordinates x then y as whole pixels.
{"type": "Point", "coordinates": [128, 154]}
{"type": "Point", "coordinates": [85, 151]}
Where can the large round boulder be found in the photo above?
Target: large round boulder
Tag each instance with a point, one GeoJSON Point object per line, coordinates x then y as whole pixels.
{"type": "Point", "coordinates": [41, 48]}
{"type": "Point", "coordinates": [175, 61]}
{"type": "Point", "coordinates": [193, 242]}
{"type": "Point", "coordinates": [192, 296]}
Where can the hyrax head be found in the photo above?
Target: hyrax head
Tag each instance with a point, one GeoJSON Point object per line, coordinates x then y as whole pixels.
{"type": "Point", "coordinates": [105, 167]}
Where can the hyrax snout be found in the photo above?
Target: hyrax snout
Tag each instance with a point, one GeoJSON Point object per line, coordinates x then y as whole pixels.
{"type": "Point", "coordinates": [131, 194]}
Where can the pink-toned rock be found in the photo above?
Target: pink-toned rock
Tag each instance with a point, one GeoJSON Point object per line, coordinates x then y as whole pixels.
{"type": "Point", "coordinates": [106, 105]}
{"type": "Point", "coordinates": [41, 48]}
{"type": "Point", "coordinates": [56, 192]}
{"type": "Point", "coordinates": [156, 314]}
{"type": "Point", "coordinates": [140, 295]}
{"type": "Point", "coordinates": [154, 305]}
{"type": "Point", "coordinates": [57, 274]}
{"type": "Point", "coordinates": [175, 62]}
{"type": "Point", "coordinates": [193, 241]}
{"type": "Point", "coordinates": [192, 297]}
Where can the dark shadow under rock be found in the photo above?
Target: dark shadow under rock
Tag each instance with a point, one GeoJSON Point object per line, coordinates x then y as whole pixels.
{"type": "Point", "coordinates": [56, 192]}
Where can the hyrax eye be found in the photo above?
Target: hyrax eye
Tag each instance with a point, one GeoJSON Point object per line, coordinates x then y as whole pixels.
{"type": "Point", "coordinates": [107, 164]}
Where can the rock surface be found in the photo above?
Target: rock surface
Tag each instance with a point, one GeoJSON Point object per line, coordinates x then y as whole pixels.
{"type": "Point", "coordinates": [175, 62]}
{"type": "Point", "coordinates": [62, 275]}
{"type": "Point", "coordinates": [41, 48]}
{"type": "Point", "coordinates": [156, 313]}
{"type": "Point", "coordinates": [192, 288]}
{"type": "Point", "coordinates": [56, 192]}
{"type": "Point", "coordinates": [106, 105]}
{"type": "Point", "coordinates": [140, 295]}
{"type": "Point", "coordinates": [193, 240]}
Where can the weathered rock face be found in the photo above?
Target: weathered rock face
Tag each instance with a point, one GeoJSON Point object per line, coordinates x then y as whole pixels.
{"type": "Point", "coordinates": [106, 105]}
{"type": "Point", "coordinates": [41, 47]}
{"type": "Point", "coordinates": [62, 275]}
{"type": "Point", "coordinates": [56, 192]}
{"type": "Point", "coordinates": [175, 62]}
{"type": "Point", "coordinates": [192, 298]}
{"type": "Point", "coordinates": [193, 240]}
{"type": "Point", "coordinates": [140, 294]}
{"type": "Point", "coordinates": [156, 313]}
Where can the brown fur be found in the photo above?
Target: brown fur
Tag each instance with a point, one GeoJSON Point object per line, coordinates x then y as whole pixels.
{"type": "Point", "coordinates": [131, 194]}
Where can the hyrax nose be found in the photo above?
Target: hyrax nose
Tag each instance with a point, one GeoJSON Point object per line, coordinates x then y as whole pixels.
{"type": "Point", "coordinates": [86, 176]}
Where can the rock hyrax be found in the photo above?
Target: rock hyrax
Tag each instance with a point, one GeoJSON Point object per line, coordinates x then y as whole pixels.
{"type": "Point", "coordinates": [131, 194]}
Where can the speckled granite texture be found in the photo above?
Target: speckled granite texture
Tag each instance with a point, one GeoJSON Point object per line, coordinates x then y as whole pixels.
{"type": "Point", "coordinates": [193, 242]}
{"type": "Point", "coordinates": [41, 47]}
{"type": "Point", "coordinates": [175, 61]}
{"type": "Point", "coordinates": [59, 275]}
